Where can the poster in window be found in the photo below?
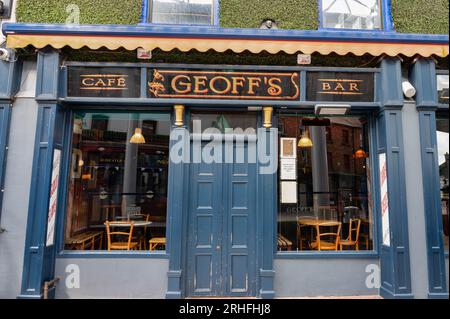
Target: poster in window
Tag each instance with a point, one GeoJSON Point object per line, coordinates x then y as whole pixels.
{"type": "Point", "coordinates": [288, 147]}
{"type": "Point", "coordinates": [53, 198]}
{"type": "Point", "coordinates": [288, 169]}
{"type": "Point", "coordinates": [384, 199]}
{"type": "Point", "coordinates": [289, 192]}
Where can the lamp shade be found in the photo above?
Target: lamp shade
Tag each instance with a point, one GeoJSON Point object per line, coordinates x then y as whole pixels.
{"type": "Point", "coordinates": [360, 154]}
{"type": "Point", "coordinates": [305, 141]}
{"type": "Point", "coordinates": [137, 137]}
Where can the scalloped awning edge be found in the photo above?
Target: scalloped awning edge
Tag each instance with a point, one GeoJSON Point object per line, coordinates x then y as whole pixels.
{"type": "Point", "coordinates": [222, 45]}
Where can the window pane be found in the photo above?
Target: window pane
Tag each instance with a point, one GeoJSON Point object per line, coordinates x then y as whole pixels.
{"type": "Point", "coordinates": [443, 151]}
{"type": "Point", "coordinates": [333, 185]}
{"type": "Point", "coordinates": [442, 86]}
{"type": "Point", "coordinates": [118, 175]}
{"type": "Point", "coordinates": [182, 11]}
{"type": "Point", "coordinates": [351, 14]}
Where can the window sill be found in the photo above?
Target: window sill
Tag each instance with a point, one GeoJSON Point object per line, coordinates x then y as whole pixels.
{"type": "Point", "coordinates": [326, 254]}
{"type": "Point", "coordinates": [113, 254]}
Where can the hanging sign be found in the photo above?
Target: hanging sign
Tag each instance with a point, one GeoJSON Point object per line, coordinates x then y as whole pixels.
{"type": "Point", "coordinates": [53, 198]}
{"type": "Point", "coordinates": [104, 82]}
{"type": "Point", "coordinates": [340, 87]}
{"type": "Point", "coordinates": [209, 84]}
{"type": "Point", "coordinates": [384, 200]}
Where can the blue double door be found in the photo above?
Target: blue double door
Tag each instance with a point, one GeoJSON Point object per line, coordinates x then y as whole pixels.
{"type": "Point", "coordinates": [221, 256]}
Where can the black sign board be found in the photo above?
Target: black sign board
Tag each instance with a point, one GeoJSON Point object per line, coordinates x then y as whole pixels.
{"type": "Point", "coordinates": [210, 84]}
{"type": "Point", "coordinates": [340, 87]}
{"type": "Point", "coordinates": [104, 82]}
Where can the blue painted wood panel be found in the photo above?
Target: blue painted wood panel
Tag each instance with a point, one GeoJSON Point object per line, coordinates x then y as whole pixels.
{"type": "Point", "coordinates": [222, 228]}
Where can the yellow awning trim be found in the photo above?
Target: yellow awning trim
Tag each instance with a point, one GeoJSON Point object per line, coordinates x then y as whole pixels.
{"type": "Point", "coordinates": [221, 45]}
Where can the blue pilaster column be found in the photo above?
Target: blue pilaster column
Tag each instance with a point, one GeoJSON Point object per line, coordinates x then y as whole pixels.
{"type": "Point", "coordinates": [423, 77]}
{"type": "Point", "coordinates": [395, 263]}
{"type": "Point", "coordinates": [9, 85]}
{"type": "Point", "coordinates": [39, 256]}
{"type": "Point", "coordinates": [267, 210]}
{"type": "Point", "coordinates": [177, 214]}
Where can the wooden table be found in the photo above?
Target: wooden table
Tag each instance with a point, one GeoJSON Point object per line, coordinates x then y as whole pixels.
{"type": "Point", "coordinates": [80, 241]}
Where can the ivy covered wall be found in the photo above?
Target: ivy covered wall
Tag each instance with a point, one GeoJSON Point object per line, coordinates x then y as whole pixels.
{"type": "Point", "coordinates": [420, 16]}
{"type": "Point", "coordinates": [91, 11]}
{"type": "Point", "coordinates": [289, 14]}
{"type": "Point", "coordinates": [410, 16]}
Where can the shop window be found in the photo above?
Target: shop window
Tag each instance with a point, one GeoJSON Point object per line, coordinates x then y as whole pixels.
{"type": "Point", "coordinates": [442, 123]}
{"type": "Point", "coordinates": [118, 177]}
{"type": "Point", "coordinates": [351, 14]}
{"type": "Point", "coordinates": [442, 86]}
{"type": "Point", "coordinates": [182, 11]}
{"type": "Point", "coordinates": [317, 196]}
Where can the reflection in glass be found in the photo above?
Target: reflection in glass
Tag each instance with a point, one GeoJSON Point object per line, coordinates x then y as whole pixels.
{"type": "Point", "coordinates": [351, 14]}
{"type": "Point", "coordinates": [182, 11]}
{"type": "Point", "coordinates": [333, 186]}
{"type": "Point", "coordinates": [443, 151]}
{"type": "Point", "coordinates": [117, 176]}
{"type": "Point", "coordinates": [442, 86]}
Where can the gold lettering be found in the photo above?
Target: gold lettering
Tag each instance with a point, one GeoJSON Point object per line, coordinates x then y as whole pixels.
{"type": "Point", "coordinates": [237, 82]}
{"type": "Point", "coordinates": [217, 91]}
{"type": "Point", "coordinates": [121, 82]}
{"type": "Point", "coordinates": [88, 82]}
{"type": "Point", "coordinates": [252, 83]}
{"type": "Point", "coordinates": [354, 87]}
{"type": "Point", "coordinates": [339, 87]}
{"type": "Point", "coordinates": [274, 89]}
{"type": "Point", "coordinates": [200, 80]}
{"type": "Point", "coordinates": [100, 82]}
{"type": "Point", "coordinates": [177, 80]}
{"type": "Point", "coordinates": [326, 86]}
{"type": "Point", "coordinates": [111, 82]}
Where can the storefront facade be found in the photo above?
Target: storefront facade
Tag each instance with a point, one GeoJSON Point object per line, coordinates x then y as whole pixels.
{"type": "Point", "coordinates": [234, 170]}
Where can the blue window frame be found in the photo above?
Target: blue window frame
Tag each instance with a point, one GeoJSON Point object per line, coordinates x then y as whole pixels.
{"type": "Point", "coordinates": [361, 15]}
{"type": "Point", "coordinates": [180, 12]}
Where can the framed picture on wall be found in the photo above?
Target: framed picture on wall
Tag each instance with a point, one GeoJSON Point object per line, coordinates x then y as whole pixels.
{"type": "Point", "coordinates": [288, 147]}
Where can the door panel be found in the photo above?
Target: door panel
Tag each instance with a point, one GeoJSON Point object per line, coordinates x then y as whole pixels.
{"type": "Point", "coordinates": [239, 262]}
{"type": "Point", "coordinates": [222, 232]}
{"type": "Point", "coordinates": [204, 229]}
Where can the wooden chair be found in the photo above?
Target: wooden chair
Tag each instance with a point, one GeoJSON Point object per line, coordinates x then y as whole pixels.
{"type": "Point", "coordinates": [353, 234]}
{"type": "Point", "coordinates": [320, 244]}
{"type": "Point", "coordinates": [120, 245]}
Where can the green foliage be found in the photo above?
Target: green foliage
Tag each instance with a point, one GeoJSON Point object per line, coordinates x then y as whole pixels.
{"type": "Point", "coordinates": [421, 16]}
{"type": "Point", "coordinates": [211, 57]}
{"type": "Point", "coordinates": [289, 14]}
{"type": "Point", "coordinates": [91, 11]}
{"type": "Point", "coordinates": [410, 16]}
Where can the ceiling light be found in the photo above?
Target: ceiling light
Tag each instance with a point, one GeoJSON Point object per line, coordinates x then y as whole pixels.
{"type": "Point", "coordinates": [332, 109]}
{"type": "Point", "coordinates": [137, 137]}
{"type": "Point", "coordinates": [305, 141]}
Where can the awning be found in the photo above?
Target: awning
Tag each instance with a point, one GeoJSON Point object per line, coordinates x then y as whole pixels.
{"type": "Point", "coordinates": [203, 39]}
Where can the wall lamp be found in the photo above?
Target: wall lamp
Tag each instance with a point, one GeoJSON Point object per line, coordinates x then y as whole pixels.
{"type": "Point", "coordinates": [332, 109]}
{"type": "Point", "coordinates": [408, 89]}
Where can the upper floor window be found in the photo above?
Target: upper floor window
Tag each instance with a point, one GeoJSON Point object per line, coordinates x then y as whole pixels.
{"type": "Point", "coordinates": [182, 11]}
{"type": "Point", "coordinates": [351, 14]}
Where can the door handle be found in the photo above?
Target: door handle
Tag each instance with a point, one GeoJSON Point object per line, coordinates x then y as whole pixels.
{"type": "Point", "coordinates": [218, 247]}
